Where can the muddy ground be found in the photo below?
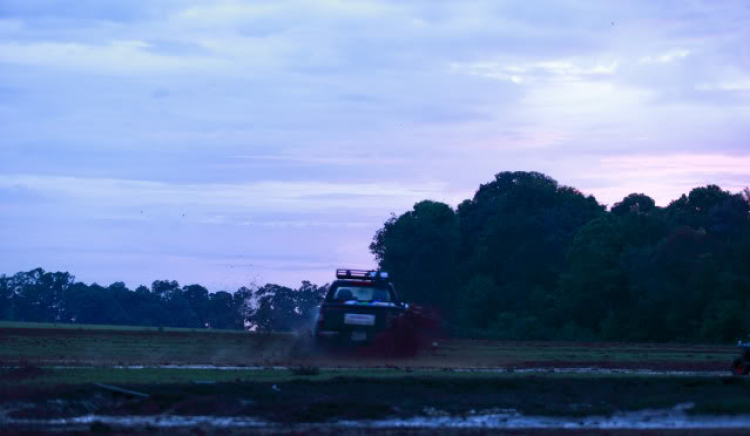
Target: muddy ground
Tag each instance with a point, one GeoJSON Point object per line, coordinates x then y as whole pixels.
{"type": "Point", "coordinates": [182, 382]}
{"type": "Point", "coordinates": [307, 399]}
{"type": "Point", "coordinates": [348, 403]}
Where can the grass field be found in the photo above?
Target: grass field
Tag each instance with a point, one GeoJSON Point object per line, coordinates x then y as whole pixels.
{"type": "Point", "coordinates": [57, 326]}
{"type": "Point", "coordinates": [52, 372]}
{"type": "Point", "coordinates": [112, 345]}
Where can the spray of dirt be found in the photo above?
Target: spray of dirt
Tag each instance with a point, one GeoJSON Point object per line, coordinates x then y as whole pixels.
{"type": "Point", "coordinates": [415, 330]}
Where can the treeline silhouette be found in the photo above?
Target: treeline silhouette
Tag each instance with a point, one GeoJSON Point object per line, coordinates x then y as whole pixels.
{"type": "Point", "coordinates": [39, 296]}
{"type": "Point", "coordinates": [527, 258]}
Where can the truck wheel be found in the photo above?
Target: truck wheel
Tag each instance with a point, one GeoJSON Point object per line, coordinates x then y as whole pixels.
{"type": "Point", "coordinates": [739, 367]}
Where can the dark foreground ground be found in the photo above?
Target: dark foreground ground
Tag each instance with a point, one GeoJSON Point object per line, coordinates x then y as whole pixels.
{"type": "Point", "coordinates": [322, 403]}
{"type": "Point", "coordinates": [129, 381]}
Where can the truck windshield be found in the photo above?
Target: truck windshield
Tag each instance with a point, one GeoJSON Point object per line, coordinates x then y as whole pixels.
{"type": "Point", "coordinates": [361, 293]}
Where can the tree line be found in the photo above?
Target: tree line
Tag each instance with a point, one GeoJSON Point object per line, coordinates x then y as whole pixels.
{"type": "Point", "coordinates": [525, 258]}
{"type": "Point", "coordinates": [40, 296]}
{"type": "Point", "coordinates": [528, 258]}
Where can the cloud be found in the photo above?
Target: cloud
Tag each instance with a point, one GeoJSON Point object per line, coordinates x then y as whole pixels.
{"type": "Point", "coordinates": [116, 57]}
{"type": "Point", "coordinates": [522, 73]}
{"type": "Point", "coordinates": [679, 165]}
{"type": "Point", "coordinates": [665, 177]}
{"type": "Point", "coordinates": [665, 58]}
{"type": "Point", "coordinates": [341, 159]}
{"type": "Point", "coordinates": [290, 126]}
{"type": "Point", "coordinates": [265, 196]}
{"type": "Point", "coordinates": [80, 10]}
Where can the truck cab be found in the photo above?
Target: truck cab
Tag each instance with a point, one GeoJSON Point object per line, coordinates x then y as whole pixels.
{"type": "Point", "coordinates": [359, 306]}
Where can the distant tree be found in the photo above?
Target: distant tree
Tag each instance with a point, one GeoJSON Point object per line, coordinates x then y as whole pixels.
{"type": "Point", "coordinates": [6, 302]}
{"type": "Point", "coordinates": [634, 203]}
{"type": "Point", "coordinates": [712, 209]}
{"type": "Point", "coordinates": [91, 305]}
{"type": "Point", "coordinates": [244, 302]}
{"type": "Point", "coordinates": [670, 285]}
{"type": "Point", "coordinates": [196, 297]}
{"type": "Point", "coordinates": [594, 286]}
{"type": "Point", "coordinates": [517, 230]}
{"type": "Point", "coordinates": [164, 288]}
{"type": "Point", "coordinates": [146, 308]}
{"type": "Point", "coordinates": [278, 308]}
{"type": "Point", "coordinates": [595, 293]}
{"type": "Point", "coordinates": [178, 311]}
{"type": "Point", "coordinates": [308, 299]}
{"type": "Point", "coordinates": [221, 312]}
{"type": "Point", "coordinates": [479, 306]}
{"type": "Point", "coordinates": [38, 295]}
{"type": "Point", "coordinates": [419, 250]}
{"type": "Point", "coordinates": [124, 300]}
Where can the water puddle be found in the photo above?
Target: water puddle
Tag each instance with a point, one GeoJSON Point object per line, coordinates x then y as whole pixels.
{"type": "Point", "coordinates": [161, 421]}
{"type": "Point", "coordinates": [675, 418]}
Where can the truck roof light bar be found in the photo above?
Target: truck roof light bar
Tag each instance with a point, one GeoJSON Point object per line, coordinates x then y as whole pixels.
{"type": "Point", "coordinates": [361, 274]}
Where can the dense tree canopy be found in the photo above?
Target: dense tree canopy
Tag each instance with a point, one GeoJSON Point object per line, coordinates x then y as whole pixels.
{"type": "Point", "coordinates": [419, 249]}
{"type": "Point", "coordinates": [537, 260]}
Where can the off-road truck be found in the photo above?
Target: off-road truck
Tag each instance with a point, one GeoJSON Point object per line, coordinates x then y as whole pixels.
{"type": "Point", "coordinates": [359, 306]}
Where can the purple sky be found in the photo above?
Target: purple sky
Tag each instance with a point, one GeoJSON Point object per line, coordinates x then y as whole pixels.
{"type": "Point", "coordinates": [231, 143]}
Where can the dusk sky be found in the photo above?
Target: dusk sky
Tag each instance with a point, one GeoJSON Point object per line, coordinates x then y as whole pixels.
{"type": "Point", "coordinates": [228, 143]}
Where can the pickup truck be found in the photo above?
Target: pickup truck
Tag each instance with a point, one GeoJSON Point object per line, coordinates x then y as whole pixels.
{"type": "Point", "coordinates": [359, 306]}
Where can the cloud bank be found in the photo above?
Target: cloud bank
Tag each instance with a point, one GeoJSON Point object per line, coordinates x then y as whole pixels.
{"type": "Point", "coordinates": [232, 141]}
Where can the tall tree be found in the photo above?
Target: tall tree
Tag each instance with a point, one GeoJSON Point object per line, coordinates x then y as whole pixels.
{"type": "Point", "coordinates": [196, 297]}
{"type": "Point", "coordinates": [38, 295]}
{"type": "Point", "coordinates": [634, 203]}
{"type": "Point", "coordinates": [6, 303]}
{"type": "Point", "coordinates": [92, 305]}
{"type": "Point", "coordinates": [279, 308]}
{"type": "Point", "coordinates": [517, 230]}
{"type": "Point", "coordinates": [419, 249]}
{"type": "Point", "coordinates": [222, 313]}
{"type": "Point", "coordinates": [712, 209]}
